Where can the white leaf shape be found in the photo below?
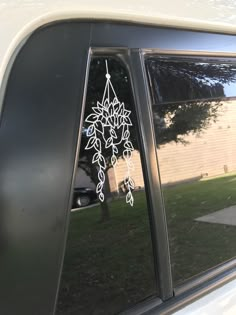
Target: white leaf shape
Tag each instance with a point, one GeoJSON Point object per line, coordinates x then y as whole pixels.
{"type": "Point", "coordinates": [91, 118]}
{"type": "Point", "coordinates": [99, 188]}
{"type": "Point", "coordinates": [121, 109]}
{"type": "Point", "coordinates": [131, 183]}
{"type": "Point", "coordinates": [108, 142]}
{"type": "Point", "coordinates": [90, 131]}
{"type": "Point", "coordinates": [129, 198]}
{"type": "Point", "coordinates": [95, 157]}
{"type": "Point", "coordinates": [115, 101]}
{"type": "Point", "coordinates": [127, 121]}
{"type": "Point", "coordinates": [115, 149]}
{"type": "Point", "coordinates": [127, 113]}
{"type": "Point", "coordinates": [106, 103]}
{"type": "Point", "coordinates": [99, 127]}
{"type": "Point", "coordinates": [101, 196]}
{"type": "Point", "coordinates": [113, 133]}
{"type": "Point", "coordinates": [97, 110]}
{"type": "Point", "coordinates": [100, 105]}
{"type": "Point", "coordinates": [129, 145]}
{"type": "Point", "coordinates": [126, 154]}
{"type": "Point", "coordinates": [113, 160]}
{"type": "Point", "coordinates": [102, 162]}
{"type": "Point", "coordinates": [90, 143]}
{"type": "Point", "coordinates": [97, 145]}
{"type": "Point", "coordinates": [101, 176]}
{"type": "Point", "coordinates": [126, 134]}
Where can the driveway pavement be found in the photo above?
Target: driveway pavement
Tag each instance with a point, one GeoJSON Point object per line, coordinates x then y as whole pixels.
{"type": "Point", "coordinates": [225, 216]}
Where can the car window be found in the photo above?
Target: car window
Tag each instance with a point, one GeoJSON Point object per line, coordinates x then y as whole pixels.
{"type": "Point", "coordinates": [194, 114]}
{"type": "Point", "coordinates": [108, 262]}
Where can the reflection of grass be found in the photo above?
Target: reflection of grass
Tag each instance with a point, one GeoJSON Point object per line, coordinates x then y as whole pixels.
{"type": "Point", "coordinates": [197, 246]}
{"type": "Point", "coordinates": [107, 263]}
{"type": "Point", "coordinates": [111, 262]}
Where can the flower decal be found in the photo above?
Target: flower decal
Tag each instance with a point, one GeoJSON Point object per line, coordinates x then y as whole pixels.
{"type": "Point", "coordinates": [109, 128]}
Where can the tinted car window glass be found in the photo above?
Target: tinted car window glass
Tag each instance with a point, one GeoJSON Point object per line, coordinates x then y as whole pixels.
{"type": "Point", "coordinates": [194, 113]}
{"type": "Point", "coordinates": [108, 262]}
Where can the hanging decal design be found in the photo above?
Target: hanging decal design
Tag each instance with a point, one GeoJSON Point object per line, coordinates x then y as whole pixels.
{"type": "Point", "coordinates": [109, 128]}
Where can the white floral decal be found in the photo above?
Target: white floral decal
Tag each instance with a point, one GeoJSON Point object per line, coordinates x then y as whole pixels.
{"type": "Point", "coordinates": [112, 116]}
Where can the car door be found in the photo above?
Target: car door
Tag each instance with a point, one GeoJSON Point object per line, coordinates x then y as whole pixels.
{"type": "Point", "coordinates": [145, 108]}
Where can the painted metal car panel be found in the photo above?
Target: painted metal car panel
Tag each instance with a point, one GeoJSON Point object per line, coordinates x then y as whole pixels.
{"type": "Point", "coordinates": [19, 18]}
{"type": "Point", "coordinates": [219, 302]}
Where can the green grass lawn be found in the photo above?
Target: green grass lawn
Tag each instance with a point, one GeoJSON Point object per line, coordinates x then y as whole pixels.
{"type": "Point", "coordinates": [198, 246]}
{"type": "Point", "coordinates": [111, 262]}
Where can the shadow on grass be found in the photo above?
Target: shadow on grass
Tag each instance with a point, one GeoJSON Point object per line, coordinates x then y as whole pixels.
{"type": "Point", "coordinates": [197, 246]}
{"type": "Point", "coordinates": [109, 265]}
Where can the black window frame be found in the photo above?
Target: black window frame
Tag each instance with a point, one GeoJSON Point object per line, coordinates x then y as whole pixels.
{"type": "Point", "coordinates": [131, 43]}
{"type": "Point", "coordinates": [140, 42]}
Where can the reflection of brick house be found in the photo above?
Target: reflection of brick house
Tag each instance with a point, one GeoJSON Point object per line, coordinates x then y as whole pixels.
{"type": "Point", "coordinates": [211, 153]}
{"type": "Point", "coordinates": [115, 175]}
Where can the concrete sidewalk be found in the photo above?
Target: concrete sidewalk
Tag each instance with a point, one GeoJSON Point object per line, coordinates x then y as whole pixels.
{"type": "Point", "coordinates": [225, 216]}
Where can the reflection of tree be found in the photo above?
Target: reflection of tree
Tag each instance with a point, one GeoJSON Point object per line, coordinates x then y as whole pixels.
{"type": "Point", "coordinates": [173, 121]}
{"type": "Point", "coordinates": [180, 92]}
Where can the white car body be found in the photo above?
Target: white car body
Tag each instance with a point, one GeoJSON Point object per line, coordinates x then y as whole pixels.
{"type": "Point", "coordinates": [18, 19]}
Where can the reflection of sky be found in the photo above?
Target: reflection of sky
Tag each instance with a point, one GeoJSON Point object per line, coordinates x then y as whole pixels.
{"type": "Point", "coordinates": [230, 90]}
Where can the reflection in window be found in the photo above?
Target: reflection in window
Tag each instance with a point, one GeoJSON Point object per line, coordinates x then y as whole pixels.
{"type": "Point", "coordinates": [108, 263]}
{"type": "Point", "coordinates": [194, 112]}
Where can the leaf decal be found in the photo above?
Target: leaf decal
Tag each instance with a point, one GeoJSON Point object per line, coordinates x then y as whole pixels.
{"type": "Point", "coordinates": [95, 157]}
{"type": "Point", "coordinates": [106, 103]}
{"type": "Point", "coordinates": [113, 160]}
{"type": "Point", "coordinates": [115, 150]}
{"type": "Point", "coordinates": [99, 127]}
{"type": "Point", "coordinates": [127, 121]}
{"type": "Point", "coordinates": [126, 154]}
{"type": "Point", "coordinates": [108, 142]}
{"type": "Point", "coordinates": [126, 134]}
{"type": "Point", "coordinates": [99, 105]}
{"type": "Point", "coordinates": [90, 143]}
{"type": "Point", "coordinates": [116, 120]}
{"type": "Point", "coordinates": [99, 188]}
{"type": "Point", "coordinates": [116, 106]}
{"type": "Point", "coordinates": [131, 183]}
{"type": "Point", "coordinates": [110, 110]}
{"type": "Point", "coordinates": [121, 109]}
{"type": "Point", "coordinates": [115, 101]}
{"type": "Point", "coordinates": [120, 121]}
{"type": "Point", "coordinates": [129, 198]}
{"type": "Point", "coordinates": [90, 131]}
{"type": "Point", "coordinates": [102, 162]}
{"type": "Point", "coordinates": [109, 125]}
{"type": "Point", "coordinates": [111, 120]}
{"type": "Point", "coordinates": [101, 196]}
{"type": "Point", "coordinates": [97, 110]}
{"type": "Point", "coordinates": [126, 181]}
{"type": "Point", "coordinates": [91, 118]}
{"type": "Point", "coordinates": [97, 144]}
{"type": "Point", "coordinates": [113, 133]}
{"type": "Point", "coordinates": [101, 176]}
{"type": "Point", "coordinates": [128, 145]}
{"type": "Point", "coordinates": [127, 113]}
